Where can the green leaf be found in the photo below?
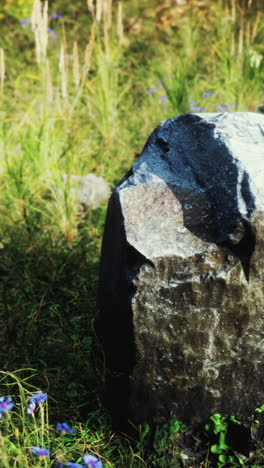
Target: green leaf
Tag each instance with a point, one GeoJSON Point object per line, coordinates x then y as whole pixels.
{"type": "Point", "coordinates": [234, 420]}
{"type": "Point", "coordinates": [144, 430]}
{"type": "Point", "coordinates": [260, 409]}
{"type": "Point", "coordinates": [224, 446]}
{"type": "Point", "coordinates": [220, 423]}
{"type": "Point", "coordinates": [222, 442]}
{"type": "Point", "coordinates": [215, 449]}
{"type": "Point", "coordinates": [177, 426]}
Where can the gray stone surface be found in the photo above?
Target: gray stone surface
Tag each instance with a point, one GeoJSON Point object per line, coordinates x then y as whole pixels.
{"type": "Point", "coordinates": [181, 296]}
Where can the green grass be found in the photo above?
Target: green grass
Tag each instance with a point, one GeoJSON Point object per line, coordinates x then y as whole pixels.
{"type": "Point", "coordinates": [76, 115]}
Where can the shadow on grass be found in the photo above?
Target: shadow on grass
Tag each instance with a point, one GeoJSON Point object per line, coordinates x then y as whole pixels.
{"type": "Point", "coordinates": [47, 308]}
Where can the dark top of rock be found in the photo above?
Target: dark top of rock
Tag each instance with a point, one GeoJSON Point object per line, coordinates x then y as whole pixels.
{"type": "Point", "coordinates": [213, 164]}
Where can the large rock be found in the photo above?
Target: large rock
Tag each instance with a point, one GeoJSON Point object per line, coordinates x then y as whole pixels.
{"type": "Point", "coordinates": [181, 297]}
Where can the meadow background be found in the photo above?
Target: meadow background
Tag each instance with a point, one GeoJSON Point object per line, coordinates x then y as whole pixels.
{"type": "Point", "coordinates": [82, 85]}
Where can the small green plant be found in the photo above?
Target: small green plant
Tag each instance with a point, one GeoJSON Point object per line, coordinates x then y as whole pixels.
{"type": "Point", "coordinates": [223, 451]}
{"type": "Point", "coordinates": [166, 447]}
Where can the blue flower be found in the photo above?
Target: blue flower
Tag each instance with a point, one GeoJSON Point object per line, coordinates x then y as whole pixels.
{"type": "Point", "coordinates": [163, 98]}
{"type": "Point", "coordinates": [207, 95]}
{"type": "Point", "coordinates": [92, 462]}
{"type": "Point", "coordinates": [52, 32]}
{"type": "Point", "coordinates": [59, 464]}
{"type": "Point", "coordinates": [6, 404]}
{"type": "Point", "coordinates": [35, 400]}
{"type": "Point", "coordinates": [74, 465]}
{"type": "Point", "coordinates": [191, 102]}
{"type": "Point", "coordinates": [31, 408]}
{"type": "Point", "coordinates": [38, 398]}
{"type": "Point", "coordinates": [40, 451]}
{"type": "Point", "coordinates": [222, 108]}
{"type": "Point", "coordinates": [64, 427]}
{"type": "Point", "coordinates": [56, 15]}
{"type": "Point", "coordinates": [151, 90]}
{"type": "Point", "coordinates": [25, 22]}
{"type": "Point", "coordinates": [197, 108]}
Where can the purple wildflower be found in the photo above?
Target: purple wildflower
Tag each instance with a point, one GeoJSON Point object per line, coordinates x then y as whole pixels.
{"type": "Point", "coordinates": [38, 398]}
{"type": "Point", "coordinates": [207, 95]}
{"type": "Point", "coordinates": [40, 451]}
{"type": "Point", "coordinates": [191, 102]}
{"type": "Point", "coordinates": [197, 108]}
{"type": "Point", "coordinates": [56, 15]}
{"type": "Point", "coordinates": [31, 408]}
{"type": "Point", "coordinates": [74, 465]}
{"type": "Point", "coordinates": [35, 400]}
{"type": "Point", "coordinates": [59, 464]}
{"type": "Point", "coordinates": [163, 98]}
{"type": "Point", "coordinates": [6, 404]}
{"type": "Point", "coordinates": [92, 462]}
{"type": "Point", "coordinates": [25, 22]}
{"type": "Point", "coordinates": [64, 427]}
{"type": "Point", "coordinates": [151, 90]}
{"type": "Point", "coordinates": [222, 108]}
{"type": "Point", "coordinates": [52, 32]}
{"type": "Point", "coordinates": [234, 104]}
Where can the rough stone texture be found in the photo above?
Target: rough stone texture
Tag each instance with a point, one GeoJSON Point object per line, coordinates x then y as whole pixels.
{"type": "Point", "coordinates": [90, 190]}
{"type": "Point", "coordinates": [181, 297]}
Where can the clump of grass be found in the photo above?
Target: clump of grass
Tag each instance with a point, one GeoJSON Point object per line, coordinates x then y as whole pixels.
{"type": "Point", "coordinates": [17, 432]}
{"type": "Point", "coordinates": [224, 55]}
{"type": "Point", "coordinates": [26, 436]}
{"type": "Point", "coordinates": [44, 141]}
{"type": "Point", "coordinates": [2, 69]}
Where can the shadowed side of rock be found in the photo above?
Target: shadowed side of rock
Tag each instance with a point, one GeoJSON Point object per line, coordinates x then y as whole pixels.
{"type": "Point", "coordinates": [114, 325]}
